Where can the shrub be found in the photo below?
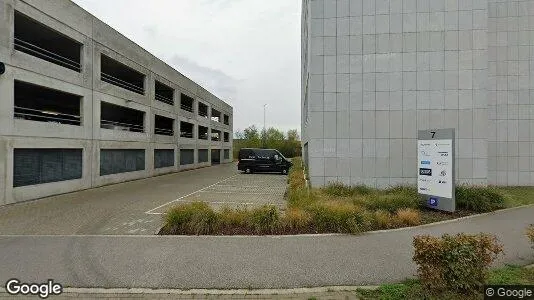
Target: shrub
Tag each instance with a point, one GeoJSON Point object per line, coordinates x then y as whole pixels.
{"type": "Point", "coordinates": [456, 263]}
{"type": "Point", "coordinates": [404, 190]}
{"type": "Point", "coordinates": [392, 202]}
{"type": "Point", "coordinates": [530, 234]}
{"type": "Point", "coordinates": [265, 219]}
{"type": "Point", "coordinates": [341, 190]}
{"type": "Point", "coordinates": [408, 216]}
{"type": "Point", "coordinates": [296, 219]}
{"type": "Point", "coordinates": [384, 219]}
{"type": "Point", "coordinates": [479, 199]}
{"type": "Point", "coordinates": [192, 218]}
{"type": "Point", "coordinates": [231, 219]}
{"type": "Point", "coordinates": [340, 217]}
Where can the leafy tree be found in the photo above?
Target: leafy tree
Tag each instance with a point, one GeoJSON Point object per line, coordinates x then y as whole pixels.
{"type": "Point", "coordinates": [272, 138]}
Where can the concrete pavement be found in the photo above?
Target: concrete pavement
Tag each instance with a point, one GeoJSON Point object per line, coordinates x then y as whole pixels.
{"type": "Point", "coordinates": [113, 209]}
{"type": "Point", "coordinates": [242, 261]}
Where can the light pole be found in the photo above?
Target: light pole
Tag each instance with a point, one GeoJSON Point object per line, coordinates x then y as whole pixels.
{"type": "Point", "coordinates": [264, 130]}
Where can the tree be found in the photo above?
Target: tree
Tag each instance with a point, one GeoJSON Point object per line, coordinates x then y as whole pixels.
{"type": "Point", "coordinates": [251, 137]}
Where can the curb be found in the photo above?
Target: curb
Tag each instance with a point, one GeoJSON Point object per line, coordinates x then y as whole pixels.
{"type": "Point", "coordinates": [213, 291]}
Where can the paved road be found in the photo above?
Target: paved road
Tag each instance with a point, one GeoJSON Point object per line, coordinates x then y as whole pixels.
{"type": "Point", "coordinates": [241, 262]}
{"type": "Point", "coordinates": [114, 209]}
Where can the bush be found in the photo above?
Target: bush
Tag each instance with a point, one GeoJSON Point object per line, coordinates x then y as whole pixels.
{"type": "Point", "coordinates": [341, 190]}
{"type": "Point", "coordinates": [392, 202]}
{"type": "Point", "coordinates": [296, 219]}
{"type": "Point", "coordinates": [456, 263]}
{"type": "Point", "coordinates": [530, 234]}
{"type": "Point", "coordinates": [408, 216]}
{"type": "Point", "coordinates": [192, 218]}
{"type": "Point", "coordinates": [265, 219]}
{"type": "Point", "coordinates": [340, 217]}
{"type": "Point", "coordinates": [384, 220]}
{"type": "Point", "coordinates": [479, 199]}
{"type": "Point", "coordinates": [229, 219]}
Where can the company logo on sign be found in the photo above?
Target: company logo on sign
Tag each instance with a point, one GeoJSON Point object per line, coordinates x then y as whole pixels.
{"type": "Point", "coordinates": [425, 171]}
{"type": "Point", "coordinates": [443, 173]}
{"type": "Point", "coordinates": [443, 153]}
{"type": "Point", "coordinates": [425, 162]}
{"type": "Point", "coordinates": [424, 153]}
{"type": "Point", "coordinates": [442, 181]}
{"type": "Point", "coordinates": [433, 201]}
{"type": "Point", "coordinates": [442, 163]}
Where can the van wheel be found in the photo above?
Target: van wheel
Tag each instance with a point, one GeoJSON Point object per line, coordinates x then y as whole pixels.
{"type": "Point", "coordinates": [284, 171]}
{"type": "Point", "coordinates": [248, 171]}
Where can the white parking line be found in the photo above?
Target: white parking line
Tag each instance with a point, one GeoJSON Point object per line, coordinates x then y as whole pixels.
{"type": "Point", "coordinates": [150, 212]}
{"type": "Point", "coordinates": [233, 192]}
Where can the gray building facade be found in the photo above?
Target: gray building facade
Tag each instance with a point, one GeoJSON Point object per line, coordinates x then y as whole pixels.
{"type": "Point", "coordinates": [376, 71]}
{"type": "Point", "coordinates": [82, 106]}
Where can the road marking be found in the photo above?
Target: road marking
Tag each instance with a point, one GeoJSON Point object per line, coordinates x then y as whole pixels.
{"type": "Point", "coordinates": [233, 192]}
{"type": "Point", "coordinates": [214, 202]}
{"type": "Point", "coordinates": [150, 212]}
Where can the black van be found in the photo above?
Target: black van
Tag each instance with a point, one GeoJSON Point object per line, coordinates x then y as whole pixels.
{"type": "Point", "coordinates": [262, 160]}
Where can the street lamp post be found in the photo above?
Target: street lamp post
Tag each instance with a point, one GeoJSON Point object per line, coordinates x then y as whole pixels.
{"type": "Point", "coordinates": [264, 129]}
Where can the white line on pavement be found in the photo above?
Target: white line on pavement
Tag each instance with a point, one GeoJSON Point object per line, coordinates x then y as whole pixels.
{"type": "Point", "coordinates": [150, 212]}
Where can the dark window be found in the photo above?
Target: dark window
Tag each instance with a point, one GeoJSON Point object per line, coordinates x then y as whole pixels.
{"type": "Point", "coordinates": [265, 153]}
{"type": "Point", "coordinates": [215, 135]}
{"type": "Point", "coordinates": [37, 103]}
{"type": "Point", "coordinates": [121, 118]}
{"type": "Point", "coordinates": [215, 156]}
{"type": "Point", "coordinates": [41, 41]}
{"type": "Point", "coordinates": [226, 153]}
{"type": "Point", "coordinates": [215, 115]}
{"type": "Point", "coordinates": [202, 132]}
{"type": "Point", "coordinates": [186, 102]}
{"type": "Point", "coordinates": [226, 120]}
{"type": "Point", "coordinates": [163, 158]}
{"type": "Point", "coordinates": [37, 166]}
{"type": "Point", "coordinates": [187, 156]}
{"type": "Point", "coordinates": [202, 109]}
{"type": "Point", "coordinates": [164, 93]}
{"type": "Point", "coordinates": [202, 155]}
{"type": "Point", "coordinates": [186, 130]}
{"type": "Point", "coordinates": [163, 125]}
{"type": "Point", "coordinates": [116, 73]}
{"type": "Point", "coordinates": [114, 161]}
{"type": "Point", "coordinates": [226, 137]}
{"type": "Point", "coordinates": [247, 153]}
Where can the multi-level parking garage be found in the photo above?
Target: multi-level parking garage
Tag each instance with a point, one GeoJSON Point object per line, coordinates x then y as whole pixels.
{"type": "Point", "coordinates": [82, 106]}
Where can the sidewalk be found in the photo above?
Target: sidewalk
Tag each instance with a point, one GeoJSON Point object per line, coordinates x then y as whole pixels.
{"type": "Point", "coordinates": [243, 262]}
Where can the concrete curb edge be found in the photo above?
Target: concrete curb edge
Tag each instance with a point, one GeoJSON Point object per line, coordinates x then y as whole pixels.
{"type": "Point", "coordinates": [213, 291]}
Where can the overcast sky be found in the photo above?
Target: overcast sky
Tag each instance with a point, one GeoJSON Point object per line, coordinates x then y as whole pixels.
{"type": "Point", "coordinates": [246, 52]}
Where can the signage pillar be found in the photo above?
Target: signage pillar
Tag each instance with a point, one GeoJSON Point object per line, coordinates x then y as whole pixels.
{"type": "Point", "coordinates": [435, 168]}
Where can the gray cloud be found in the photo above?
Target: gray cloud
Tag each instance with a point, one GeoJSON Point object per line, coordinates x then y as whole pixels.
{"type": "Point", "coordinates": [217, 82]}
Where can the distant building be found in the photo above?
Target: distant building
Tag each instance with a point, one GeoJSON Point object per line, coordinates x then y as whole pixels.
{"type": "Point", "coordinates": [376, 71]}
{"type": "Point", "coordinates": [82, 106]}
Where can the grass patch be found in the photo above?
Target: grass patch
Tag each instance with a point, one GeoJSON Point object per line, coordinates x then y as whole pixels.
{"type": "Point", "coordinates": [413, 289]}
{"type": "Point", "coordinates": [517, 195]}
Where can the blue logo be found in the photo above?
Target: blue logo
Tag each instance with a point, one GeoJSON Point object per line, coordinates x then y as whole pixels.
{"type": "Point", "coordinates": [433, 201]}
{"type": "Point", "coordinates": [425, 162]}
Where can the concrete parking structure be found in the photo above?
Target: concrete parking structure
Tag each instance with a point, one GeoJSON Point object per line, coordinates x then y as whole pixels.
{"type": "Point", "coordinates": [83, 106]}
